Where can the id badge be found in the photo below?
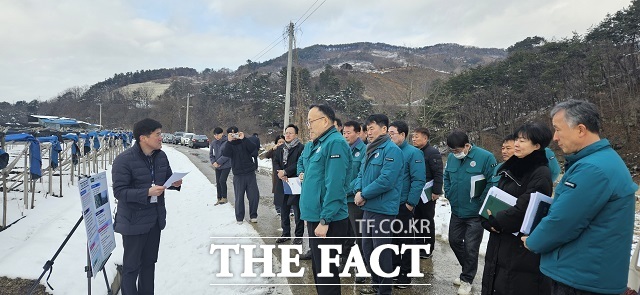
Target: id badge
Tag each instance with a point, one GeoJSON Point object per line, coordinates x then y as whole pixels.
{"type": "Point", "coordinates": [154, 199]}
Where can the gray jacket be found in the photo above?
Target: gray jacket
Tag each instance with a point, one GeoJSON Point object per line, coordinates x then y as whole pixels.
{"type": "Point", "coordinates": [131, 174]}
{"type": "Point", "coordinates": [215, 153]}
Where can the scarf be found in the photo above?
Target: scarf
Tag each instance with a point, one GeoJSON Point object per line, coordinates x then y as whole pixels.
{"type": "Point", "coordinates": [376, 143]}
{"type": "Point", "coordinates": [521, 166]}
{"type": "Point", "coordinates": [287, 146]}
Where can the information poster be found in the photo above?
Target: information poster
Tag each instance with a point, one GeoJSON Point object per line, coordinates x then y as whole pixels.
{"type": "Point", "coordinates": [96, 211]}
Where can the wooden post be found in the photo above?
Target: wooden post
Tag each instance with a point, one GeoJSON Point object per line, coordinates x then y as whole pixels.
{"type": "Point", "coordinates": [26, 178]}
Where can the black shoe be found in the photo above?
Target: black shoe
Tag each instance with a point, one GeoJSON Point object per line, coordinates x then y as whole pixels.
{"type": "Point", "coordinates": [306, 255]}
{"type": "Point", "coordinates": [360, 280]}
{"type": "Point", "coordinates": [424, 255]}
{"type": "Point", "coordinates": [402, 282]}
{"type": "Point", "coordinates": [281, 240]}
{"type": "Point", "coordinates": [297, 241]}
{"type": "Point", "coordinates": [343, 262]}
{"type": "Point", "coordinates": [369, 290]}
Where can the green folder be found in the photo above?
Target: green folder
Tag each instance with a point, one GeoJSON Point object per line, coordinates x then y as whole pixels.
{"type": "Point", "coordinates": [478, 184]}
{"type": "Point", "coordinates": [497, 200]}
{"type": "Point", "coordinates": [495, 205]}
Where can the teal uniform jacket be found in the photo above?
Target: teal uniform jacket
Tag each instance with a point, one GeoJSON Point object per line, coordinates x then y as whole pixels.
{"type": "Point", "coordinates": [357, 152]}
{"type": "Point", "coordinates": [305, 151]}
{"type": "Point", "coordinates": [378, 179]}
{"type": "Point", "coordinates": [585, 240]}
{"type": "Point", "coordinates": [495, 178]}
{"type": "Point", "coordinates": [457, 181]}
{"type": "Point", "coordinates": [554, 166]}
{"type": "Point", "coordinates": [327, 162]}
{"type": "Point", "coordinates": [414, 175]}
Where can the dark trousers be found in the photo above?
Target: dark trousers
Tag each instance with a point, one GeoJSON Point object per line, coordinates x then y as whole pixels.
{"type": "Point", "coordinates": [558, 288]}
{"type": "Point", "coordinates": [465, 235]}
{"type": "Point", "coordinates": [337, 230]}
{"type": "Point", "coordinates": [403, 234]}
{"type": "Point", "coordinates": [425, 211]}
{"type": "Point", "coordinates": [246, 183]}
{"type": "Point", "coordinates": [374, 234]}
{"type": "Point", "coordinates": [291, 201]}
{"type": "Point", "coordinates": [353, 231]}
{"type": "Point", "coordinates": [139, 261]}
{"type": "Point", "coordinates": [221, 182]}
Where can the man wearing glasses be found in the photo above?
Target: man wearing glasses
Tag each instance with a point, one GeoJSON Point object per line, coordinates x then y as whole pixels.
{"type": "Point", "coordinates": [323, 200]}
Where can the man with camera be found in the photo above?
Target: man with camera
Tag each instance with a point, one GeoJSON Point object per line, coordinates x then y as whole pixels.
{"type": "Point", "coordinates": [241, 150]}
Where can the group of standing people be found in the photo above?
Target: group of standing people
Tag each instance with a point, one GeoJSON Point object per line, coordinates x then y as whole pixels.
{"type": "Point", "coordinates": [351, 191]}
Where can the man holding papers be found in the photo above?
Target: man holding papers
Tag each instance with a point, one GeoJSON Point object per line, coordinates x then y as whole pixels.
{"type": "Point", "coordinates": [285, 160]}
{"type": "Point", "coordinates": [509, 268]}
{"type": "Point", "coordinates": [426, 207]}
{"type": "Point", "coordinates": [465, 178]}
{"type": "Point", "coordinates": [138, 176]}
{"type": "Point", "coordinates": [412, 179]}
{"type": "Point", "coordinates": [585, 240]}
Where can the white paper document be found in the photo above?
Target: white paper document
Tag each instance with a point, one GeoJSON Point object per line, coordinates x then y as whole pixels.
{"type": "Point", "coordinates": [174, 177]}
{"type": "Point", "coordinates": [292, 186]}
{"type": "Point", "coordinates": [428, 188]}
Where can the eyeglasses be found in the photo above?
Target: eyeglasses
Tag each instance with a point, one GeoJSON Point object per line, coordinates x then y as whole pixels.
{"type": "Point", "coordinates": [311, 121]}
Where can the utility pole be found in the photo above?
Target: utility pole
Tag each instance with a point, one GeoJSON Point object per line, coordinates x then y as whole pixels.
{"type": "Point", "coordinates": [287, 102]}
{"type": "Point", "coordinates": [186, 123]}
{"type": "Point", "coordinates": [100, 104]}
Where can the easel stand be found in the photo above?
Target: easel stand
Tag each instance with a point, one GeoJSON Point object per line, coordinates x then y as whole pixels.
{"type": "Point", "coordinates": [48, 266]}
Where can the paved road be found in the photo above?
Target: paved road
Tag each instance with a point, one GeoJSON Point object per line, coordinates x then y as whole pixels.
{"type": "Point", "coordinates": [439, 271]}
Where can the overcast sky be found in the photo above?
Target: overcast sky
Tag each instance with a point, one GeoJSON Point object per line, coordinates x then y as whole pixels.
{"type": "Point", "coordinates": [47, 47]}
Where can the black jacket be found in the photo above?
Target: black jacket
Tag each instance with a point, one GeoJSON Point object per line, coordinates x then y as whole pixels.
{"type": "Point", "coordinates": [131, 175]}
{"type": "Point", "coordinates": [241, 152]}
{"type": "Point", "coordinates": [290, 168]}
{"type": "Point", "coordinates": [509, 267]}
{"type": "Point", "coordinates": [433, 163]}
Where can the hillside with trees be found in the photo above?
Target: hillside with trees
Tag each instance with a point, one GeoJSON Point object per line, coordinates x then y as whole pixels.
{"type": "Point", "coordinates": [485, 91]}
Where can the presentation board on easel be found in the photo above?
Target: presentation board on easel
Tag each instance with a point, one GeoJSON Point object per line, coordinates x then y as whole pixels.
{"type": "Point", "coordinates": [94, 194]}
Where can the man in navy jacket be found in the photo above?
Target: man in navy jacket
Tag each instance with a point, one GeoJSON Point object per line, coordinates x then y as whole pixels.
{"type": "Point", "coordinates": [138, 175]}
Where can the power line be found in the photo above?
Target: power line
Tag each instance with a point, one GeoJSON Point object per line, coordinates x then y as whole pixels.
{"type": "Point", "coordinates": [314, 3]}
{"type": "Point", "coordinates": [269, 47]}
{"type": "Point", "coordinates": [283, 36]}
{"type": "Point", "coordinates": [312, 12]}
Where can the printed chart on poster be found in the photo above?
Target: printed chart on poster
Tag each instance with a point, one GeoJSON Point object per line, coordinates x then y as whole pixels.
{"type": "Point", "coordinates": [94, 195]}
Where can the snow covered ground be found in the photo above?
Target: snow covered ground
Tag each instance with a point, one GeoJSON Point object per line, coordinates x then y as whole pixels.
{"type": "Point", "coordinates": [184, 266]}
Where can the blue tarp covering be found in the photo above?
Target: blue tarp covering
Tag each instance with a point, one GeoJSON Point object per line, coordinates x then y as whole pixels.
{"type": "Point", "coordinates": [75, 151]}
{"type": "Point", "coordinates": [55, 149]}
{"type": "Point", "coordinates": [4, 159]}
{"type": "Point", "coordinates": [34, 152]}
{"type": "Point", "coordinates": [96, 139]}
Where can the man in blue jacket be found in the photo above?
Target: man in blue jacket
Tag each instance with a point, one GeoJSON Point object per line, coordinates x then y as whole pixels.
{"type": "Point", "coordinates": [138, 175]}
{"type": "Point", "coordinates": [378, 194]}
{"type": "Point", "coordinates": [466, 174]}
{"type": "Point", "coordinates": [585, 240]}
{"type": "Point", "coordinates": [413, 179]}
{"type": "Point", "coordinates": [221, 163]}
{"type": "Point", "coordinates": [323, 201]}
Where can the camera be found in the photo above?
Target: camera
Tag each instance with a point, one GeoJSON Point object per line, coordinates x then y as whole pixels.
{"type": "Point", "coordinates": [235, 135]}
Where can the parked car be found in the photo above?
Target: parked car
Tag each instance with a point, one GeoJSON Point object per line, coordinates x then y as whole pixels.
{"type": "Point", "coordinates": [186, 138]}
{"type": "Point", "coordinates": [199, 141]}
{"type": "Point", "coordinates": [177, 137]}
{"type": "Point", "coordinates": [167, 138]}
